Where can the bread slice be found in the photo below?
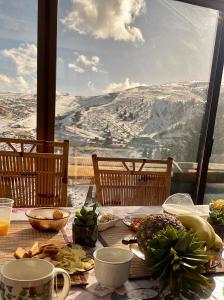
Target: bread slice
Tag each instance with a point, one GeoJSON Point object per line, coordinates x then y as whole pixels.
{"type": "Point", "coordinates": [43, 250]}
{"type": "Point", "coordinates": [34, 250]}
{"type": "Point", "coordinates": [21, 253]}
{"type": "Point", "coordinates": [51, 251]}
{"type": "Point", "coordinates": [42, 246]}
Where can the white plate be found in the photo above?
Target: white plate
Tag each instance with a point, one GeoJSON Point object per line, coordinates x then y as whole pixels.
{"type": "Point", "coordinates": [135, 250]}
{"type": "Point", "coordinates": [128, 219]}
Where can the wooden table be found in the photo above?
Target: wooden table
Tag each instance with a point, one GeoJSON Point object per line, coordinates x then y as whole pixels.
{"type": "Point", "coordinates": [131, 287]}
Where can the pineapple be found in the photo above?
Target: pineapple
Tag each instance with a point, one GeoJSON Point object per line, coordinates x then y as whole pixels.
{"type": "Point", "coordinates": [151, 225]}
{"type": "Point", "coordinates": [177, 258]}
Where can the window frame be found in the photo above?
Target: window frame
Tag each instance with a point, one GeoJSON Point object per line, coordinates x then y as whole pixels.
{"type": "Point", "coordinates": [46, 82]}
{"type": "Point", "coordinates": [207, 133]}
{"type": "Point", "coordinates": [46, 68]}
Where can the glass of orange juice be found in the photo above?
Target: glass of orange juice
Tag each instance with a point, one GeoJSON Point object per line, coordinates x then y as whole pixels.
{"type": "Point", "coordinates": [5, 215]}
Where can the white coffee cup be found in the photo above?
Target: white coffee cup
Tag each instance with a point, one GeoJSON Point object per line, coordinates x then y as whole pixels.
{"type": "Point", "coordinates": [31, 278]}
{"type": "Point", "coordinates": [112, 266]}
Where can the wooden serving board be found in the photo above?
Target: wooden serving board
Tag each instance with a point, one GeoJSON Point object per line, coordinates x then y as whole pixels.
{"type": "Point", "coordinates": [113, 237]}
{"type": "Point", "coordinates": [21, 234]}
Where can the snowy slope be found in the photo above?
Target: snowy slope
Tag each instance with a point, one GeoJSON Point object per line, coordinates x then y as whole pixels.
{"type": "Point", "coordinates": [154, 121]}
{"type": "Point", "coordinates": [149, 119]}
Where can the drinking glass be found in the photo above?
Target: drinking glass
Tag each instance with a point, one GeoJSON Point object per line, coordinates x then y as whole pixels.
{"type": "Point", "coordinates": [5, 215]}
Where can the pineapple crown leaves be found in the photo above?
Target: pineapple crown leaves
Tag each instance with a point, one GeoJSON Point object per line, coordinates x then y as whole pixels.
{"type": "Point", "coordinates": [86, 216]}
{"type": "Point", "coordinates": [177, 258]}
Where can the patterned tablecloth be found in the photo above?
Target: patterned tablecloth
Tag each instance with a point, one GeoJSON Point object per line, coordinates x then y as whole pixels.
{"type": "Point", "coordinates": [134, 289]}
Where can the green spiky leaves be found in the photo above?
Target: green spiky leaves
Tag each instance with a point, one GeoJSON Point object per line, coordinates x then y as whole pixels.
{"type": "Point", "coordinates": [177, 258]}
{"type": "Point", "coordinates": [86, 216]}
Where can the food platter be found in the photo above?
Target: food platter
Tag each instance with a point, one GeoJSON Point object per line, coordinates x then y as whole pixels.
{"type": "Point", "coordinates": [133, 221]}
{"type": "Point", "coordinates": [75, 259]}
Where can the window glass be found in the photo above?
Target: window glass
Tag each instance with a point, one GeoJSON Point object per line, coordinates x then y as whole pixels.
{"type": "Point", "coordinates": [132, 81]}
{"type": "Point", "coordinates": [18, 64]}
{"type": "Point", "coordinates": [215, 177]}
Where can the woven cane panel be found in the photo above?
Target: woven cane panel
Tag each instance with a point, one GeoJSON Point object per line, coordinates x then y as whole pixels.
{"type": "Point", "coordinates": [113, 238]}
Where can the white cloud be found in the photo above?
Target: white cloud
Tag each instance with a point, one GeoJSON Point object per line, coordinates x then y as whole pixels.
{"type": "Point", "coordinates": [76, 68]}
{"type": "Point", "coordinates": [106, 19]}
{"type": "Point", "coordinates": [94, 69]}
{"type": "Point", "coordinates": [4, 80]}
{"type": "Point", "coordinates": [126, 84]}
{"type": "Point", "coordinates": [93, 61]}
{"type": "Point", "coordinates": [91, 85]}
{"type": "Point", "coordinates": [22, 85]}
{"type": "Point", "coordinates": [25, 60]}
{"type": "Point", "coordinates": [18, 84]}
{"type": "Point", "coordinates": [24, 57]}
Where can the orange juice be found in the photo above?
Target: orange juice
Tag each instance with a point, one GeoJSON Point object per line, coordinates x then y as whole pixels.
{"type": "Point", "coordinates": [4, 227]}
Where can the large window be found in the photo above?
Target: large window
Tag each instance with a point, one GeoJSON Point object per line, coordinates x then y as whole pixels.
{"type": "Point", "coordinates": [215, 179]}
{"type": "Point", "coordinates": [18, 64]}
{"type": "Point", "coordinates": [129, 85]}
{"type": "Point", "coordinates": [132, 81]}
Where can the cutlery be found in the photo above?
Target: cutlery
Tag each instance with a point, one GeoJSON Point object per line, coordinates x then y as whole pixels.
{"type": "Point", "coordinates": [131, 240]}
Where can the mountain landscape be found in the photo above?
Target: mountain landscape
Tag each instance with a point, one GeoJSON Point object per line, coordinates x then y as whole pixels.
{"type": "Point", "coordinates": [146, 121]}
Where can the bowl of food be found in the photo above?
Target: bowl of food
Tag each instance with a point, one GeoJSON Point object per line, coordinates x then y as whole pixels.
{"type": "Point", "coordinates": [133, 221]}
{"type": "Point", "coordinates": [216, 216]}
{"type": "Point", "coordinates": [48, 219]}
{"type": "Point", "coordinates": [106, 221]}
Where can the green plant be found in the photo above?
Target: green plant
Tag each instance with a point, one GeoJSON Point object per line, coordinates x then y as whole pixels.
{"type": "Point", "coordinates": [216, 217]}
{"type": "Point", "coordinates": [177, 258]}
{"type": "Point", "coordinates": [86, 216]}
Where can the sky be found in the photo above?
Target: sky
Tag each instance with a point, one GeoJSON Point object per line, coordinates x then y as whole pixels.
{"type": "Point", "coordinates": [108, 46]}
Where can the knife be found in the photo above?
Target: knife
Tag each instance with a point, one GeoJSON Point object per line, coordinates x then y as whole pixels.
{"type": "Point", "coordinates": [131, 240]}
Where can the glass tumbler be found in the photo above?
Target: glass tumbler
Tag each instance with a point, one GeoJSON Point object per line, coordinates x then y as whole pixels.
{"type": "Point", "coordinates": [5, 215]}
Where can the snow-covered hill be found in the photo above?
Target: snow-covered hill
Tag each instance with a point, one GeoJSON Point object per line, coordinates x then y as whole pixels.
{"type": "Point", "coordinates": [153, 121]}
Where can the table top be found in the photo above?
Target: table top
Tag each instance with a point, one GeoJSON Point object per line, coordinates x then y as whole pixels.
{"type": "Point", "coordinates": [132, 288]}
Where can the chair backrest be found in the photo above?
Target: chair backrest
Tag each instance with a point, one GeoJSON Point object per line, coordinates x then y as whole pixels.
{"type": "Point", "coordinates": [124, 181]}
{"type": "Point", "coordinates": [30, 175]}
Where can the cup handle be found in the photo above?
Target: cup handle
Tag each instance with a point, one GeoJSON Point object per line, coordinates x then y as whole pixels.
{"type": "Point", "coordinates": [67, 283]}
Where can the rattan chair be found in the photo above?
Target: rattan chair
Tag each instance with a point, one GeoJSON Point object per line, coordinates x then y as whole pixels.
{"type": "Point", "coordinates": [34, 173]}
{"type": "Point", "coordinates": [121, 181]}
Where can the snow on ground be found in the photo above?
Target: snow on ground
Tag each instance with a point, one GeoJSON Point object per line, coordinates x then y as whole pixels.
{"type": "Point", "coordinates": [154, 121]}
{"type": "Point", "coordinates": [77, 195]}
